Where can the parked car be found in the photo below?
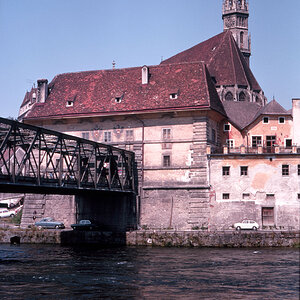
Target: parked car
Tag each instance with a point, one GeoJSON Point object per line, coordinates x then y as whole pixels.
{"type": "Point", "coordinates": [85, 225]}
{"type": "Point", "coordinates": [49, 223]}
{"type": "Point", "coordinates": [246, 224]}
{"type": "Point", "coordinates": [4, 213]}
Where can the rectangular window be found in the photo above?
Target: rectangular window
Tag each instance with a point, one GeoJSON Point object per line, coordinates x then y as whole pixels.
{"type": "Point", "coordinates": [256, 141]}
{"type": "Point", "coordinates": [107, 136]}
{"type": "Point", "coordinates": [288, 143]}
{"type": "Point", "coordinates": [298, 170]}
{"type": "Point", "coordinates": [246, 196]}
{"type": "Point", "coordinates": [129, 135]}
{"type": "Point", "coordinates": [227, 127]}
{"type": "Point", "coordinates": [285, 170]}
{"type": "Point", "coordinates": [85, 135]}
{"type": "Point", "coordinates": [270, 196]}
{"type": "Point", "coordinates": [166, 161]}
{"type": "Point", "coordinates": [230, 143]}
{"type": "Point", "coordinates": [226, 171]}
{"type": "Point", "coordinates": [225, 196]}
{"type": "Point", "coordinates": [166, 134]}
{"type": "Point", "coordinates": [244, 170]}
{"type": "Point", "coordinates": [265, 120]}
{"type": "Point", "coordinates": [281, 120]}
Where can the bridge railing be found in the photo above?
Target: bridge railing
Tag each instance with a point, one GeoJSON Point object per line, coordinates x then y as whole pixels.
{"type": "Point", "coordinates": [31, 155]}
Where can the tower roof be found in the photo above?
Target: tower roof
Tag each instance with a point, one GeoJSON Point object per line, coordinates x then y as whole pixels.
{"type": "Point", "coordinates": [223, 58]}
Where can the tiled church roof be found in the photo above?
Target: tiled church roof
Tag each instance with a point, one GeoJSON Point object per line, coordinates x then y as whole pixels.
{"type": "Point", "coordinates": [223, 58]}
{"type": "Point", "coordinates": [95, 92]}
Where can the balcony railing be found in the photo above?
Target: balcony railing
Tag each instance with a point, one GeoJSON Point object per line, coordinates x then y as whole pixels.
{"type": "Point", "coordinates": [253, 150]}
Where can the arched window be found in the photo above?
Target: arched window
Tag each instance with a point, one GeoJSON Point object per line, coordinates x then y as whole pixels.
{"type": "Point", "coordinates": [242, 39]}
{"type": "Point", "coordinates": [228, 96]}
{"type": "Point", "coordinates": [242, 96]}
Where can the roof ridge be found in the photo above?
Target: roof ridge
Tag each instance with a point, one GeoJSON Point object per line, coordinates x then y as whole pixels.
{"type": "Point", "coordinates": [217, 49]}
{"type": "Point", "coordinates": [241, 64]}
{"type": "Point", "coordinates": [231, 54]}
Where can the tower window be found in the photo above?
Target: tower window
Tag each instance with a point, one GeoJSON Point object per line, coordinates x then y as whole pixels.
{"type": "Point", "coordinates": [242, 39]}
{"type": "Point", "coordinates": [228, 96]}
{"type": "Point", "coordinates": [242, 96]}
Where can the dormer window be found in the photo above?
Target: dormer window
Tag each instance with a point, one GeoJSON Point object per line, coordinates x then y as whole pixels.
{"type": "Point", "coordinates": [118, 99]}
{"type": "Point", "coordinates": [173, 96]}
{"type": "Point", "coordinates": [69, 103]}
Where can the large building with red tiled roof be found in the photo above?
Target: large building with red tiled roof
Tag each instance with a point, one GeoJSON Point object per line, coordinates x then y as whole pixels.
{"type": "Point", "coordinates": [207, 143]}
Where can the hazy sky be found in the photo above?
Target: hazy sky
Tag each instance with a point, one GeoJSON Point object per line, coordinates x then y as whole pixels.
{"type": "Point", "coordinates": [42, 38]}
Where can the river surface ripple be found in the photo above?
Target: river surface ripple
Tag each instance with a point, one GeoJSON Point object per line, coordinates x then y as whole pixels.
{"type": "Point", "coordinates": [55, 272]}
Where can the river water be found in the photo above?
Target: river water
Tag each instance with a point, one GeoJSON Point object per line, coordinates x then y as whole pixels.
{"type": "Point", "coordinates": [56, 272]}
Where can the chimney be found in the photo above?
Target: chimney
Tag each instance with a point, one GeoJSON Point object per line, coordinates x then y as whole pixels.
{"type": "Point", "coordinates": [42, 90]}
{"type": "Point", "coordinates": [145, 75]}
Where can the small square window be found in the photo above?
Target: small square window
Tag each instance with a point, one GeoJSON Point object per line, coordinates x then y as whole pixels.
{"type": "Point", "coordinates": [129, 135]}
{"type": "Point", "coordinates": [230, 143]}
{"type": "Point", "coordinates": [246, 196]}
{"type": "Point", "coordinates": [225, 196]}
{"type": "Point", "coordinates": [166, 134]}
{"type": "Point", "coordinates": [227, 127]}
{"type": "Point", "coordinates": [226, 171]}
{"type": "Point", "coordinates": [166, 161]}
{"type": "Point", "coordinates": [173, 96]}
{"type": "Point", "coordinates": [270, 196]}
{"type": "Point", "coordinates": [85, 135]}
{"type": "Point", "coordinates": [281, 120]}
{"type": "Point", "coordinates": [265, 120]}
{"type": "Point", "coordinates": [285, 170]}
{"type": "Point", "coordinates": [244, 171]}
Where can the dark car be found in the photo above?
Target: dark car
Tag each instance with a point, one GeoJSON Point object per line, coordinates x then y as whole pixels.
{"type": "Point", "coordinates": [85, 225]}
{"type": "Point", "coordinates": [49, 223]}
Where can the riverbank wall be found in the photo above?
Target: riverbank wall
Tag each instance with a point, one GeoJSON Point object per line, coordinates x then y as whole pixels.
{"type": "Point", "coordinates": [154, 238]}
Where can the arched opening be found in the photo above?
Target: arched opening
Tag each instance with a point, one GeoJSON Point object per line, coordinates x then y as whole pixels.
{"type": "Point", "coordinates": [242, 39]}
{"type": "Point", "coordinates": [242, 96]}
{"type": "Point", "coordinates": [229, 96]}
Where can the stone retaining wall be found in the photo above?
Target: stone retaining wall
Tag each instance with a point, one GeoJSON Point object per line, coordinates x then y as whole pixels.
{"type": "Point", "coordinates": [213, 239]}
{"type": "Point", "coordinates": [155, 238]}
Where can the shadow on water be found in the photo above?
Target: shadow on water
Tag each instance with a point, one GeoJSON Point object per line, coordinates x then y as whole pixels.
{"type": "Point", "coordinates": [85, 272]}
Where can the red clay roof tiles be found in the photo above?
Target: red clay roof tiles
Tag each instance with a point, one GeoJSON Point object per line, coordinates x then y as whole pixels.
{"type": "Point", "coordinates": [94, 92]}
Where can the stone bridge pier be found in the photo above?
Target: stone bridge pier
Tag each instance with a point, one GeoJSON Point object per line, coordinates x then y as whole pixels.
{"type": "Point", "coordinates": [113, 211]}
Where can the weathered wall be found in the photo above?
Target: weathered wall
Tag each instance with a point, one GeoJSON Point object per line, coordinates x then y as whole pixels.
{"type": "Point", "coordinates": [59, 207]}
{"type": "Point", "coordinates": [263, 186]}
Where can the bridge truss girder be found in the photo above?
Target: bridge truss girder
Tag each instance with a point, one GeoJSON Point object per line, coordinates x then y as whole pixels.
{"type": "Point", "coordinates": [38, 157]}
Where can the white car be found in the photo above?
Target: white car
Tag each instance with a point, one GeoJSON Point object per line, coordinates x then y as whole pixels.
{"type": "Point", "coordinates": [246, 224]}
{"type": "Point", "coordinates": [4, 213]}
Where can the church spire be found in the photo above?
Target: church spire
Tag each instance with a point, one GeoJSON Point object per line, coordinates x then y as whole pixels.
{"type": "Point", "coordinates": [235, 15]}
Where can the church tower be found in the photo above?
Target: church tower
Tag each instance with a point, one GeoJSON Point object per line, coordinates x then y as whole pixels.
{"type": "Point", "coordinates": [235, 15]}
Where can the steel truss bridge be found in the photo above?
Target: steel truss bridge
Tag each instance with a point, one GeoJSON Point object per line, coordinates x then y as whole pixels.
{"type": "Point", "coordinates": [35, 159]}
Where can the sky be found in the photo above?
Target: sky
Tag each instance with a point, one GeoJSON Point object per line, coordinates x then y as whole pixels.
{"type": "Point", "coordinates": [43, 38]}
